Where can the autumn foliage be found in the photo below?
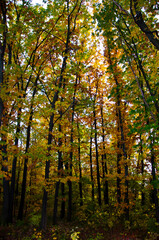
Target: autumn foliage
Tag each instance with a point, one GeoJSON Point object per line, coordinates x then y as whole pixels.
{"type": "Point", "coordinates": [79, 114]}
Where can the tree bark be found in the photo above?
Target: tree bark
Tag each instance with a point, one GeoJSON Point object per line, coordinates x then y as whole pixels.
{"type": "Point", "coordinates": [14, 165]}
{"type": "Point", "coordinates": [104, 161]}
{"type": "Point", "coordinates": [79, 163]}
{"type": "Point", "coordinates": [91, 164]}
{"type": "Point", "coordinates": [23, 192]}
{"type": "Point", "coordinates": [138, 18]}
{"type": "Point", "coordinates": [154, 191]}
{"type": "Point", "coordinates": [96, 149]}
{"type": "Point", "coordinates": [59, 173]}
{"type": "Point", "coordinates": [3, 116]}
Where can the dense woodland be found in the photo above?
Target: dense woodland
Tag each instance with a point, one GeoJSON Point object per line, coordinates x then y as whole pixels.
{"type": "Point", "coordinates": [79, 117]}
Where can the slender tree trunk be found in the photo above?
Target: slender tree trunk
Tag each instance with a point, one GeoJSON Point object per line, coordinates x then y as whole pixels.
{"type": "Point", "coordinates": [91, 165]}
{"type": "Point", "coordinates": [2, 52]}
{"type": "Point", "coordinates": [3, 115]}
{"type": "Point", "coordinates": [154, 191]}
{"type": "Point", "coordinates": [97, 156]}
{"type": "Point", "coordinates": [69, 210]}
{"type": "Point", "coordinates": [79, 162]}
{"type": "Point", "coordinates": [4, 127]}
{"type": "Point", "coordinates": [104, 163]}
{"type": "Point", "coordinates": [118, 172]}
{"type": "Point", "coordinates": [44, 200]}
{"type": "Point", "coordinates": [62, 215]}
{"type": "Point", "coordinates": [125, 157]}
{"type": "Point", "coordinates": [21, 207]}
{"type": "Point", "coordinates": [17, 182]}
{"type": "Point", "coordinates": [142, 172]}
{"type": "Point", "coordinates": [14, 165]}
{"type": "Point", "coordinates": [5, 211]}
{"type": "Point", "coordinates": [56, 203]}
{"type": "Point", "coordinates": [23, 192]}
{"type": "Point", "coordinates": [69, 213]}
{"type": "Point", "coordinates": [59, 173]}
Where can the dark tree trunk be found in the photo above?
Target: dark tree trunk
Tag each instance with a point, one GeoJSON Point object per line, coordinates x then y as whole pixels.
{"type": "Point", "coordinates": [79, 162]}
{"type": "Point", "coordinates": [142, 172]}
{"type": "Point", "coordinates": [97, 155]}
{"type": "Point", "coordinates": [91, 165]}
{"type": "Point", "coordinates": [59, 173]}
{"type": "Point", "coordinates": [69, 213]}
{"type": "Point", "coordinates": [3, 115]}
{"type": "Point", "coordinates": [104, 162]}
{"type": "Point", "coordinates": [17, 181]}
{"type": "Point", "coordinates": [126, 199]}
{"type": "Point", "coordinates": [118, 172]}
{"type": "Point", "coordinates": [23, 192]}
{"type": "Point", "coordinates": [5, 211]}
{"type": "Point", "coordinates": [21, 207]}
{"type": "Point", "coordinates": [44, 201]}
{"type": "Point", "coordinates": [138, 18]}
{"type": "Point", "coordinates": [56, 203]}
{"type": "Point", "coordinates": [14, 165]}
{"type": "Point", "coordinates": [154, 191]}
{"type": "Point", "coordinates": [2, 52]}
{"type": "Point", "coordinates": [62, 215]}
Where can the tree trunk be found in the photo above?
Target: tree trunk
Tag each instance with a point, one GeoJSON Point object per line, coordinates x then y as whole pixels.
{"type": "Point", "coordinates": [104, 163]}
{"type": "Point", "coordinates": [97, 156]}
{"type": "Point", "coordinates": [5, 211]}
{"type": "Point", "coordinates": [79, 162]}
{"type": "Point", "coordinates": [63, 201]}
{"type": "Point", "coordinates": [118, 172]}
{"type": "Point", "coordinates": [23, 192]}
{"type": "Point", "coordinates": [3, 115]}
{"type": "Point", "coordinates": [91, 165]}
{"type": "Point", "coordinates": [59, 173]}
{"type": "Point", "coordinates": [69, 213]}
{"type": "Point", "coordinates": [142, 172]}
{"type": "Point", "coordinates": [14, 165]}
{"type": "Point", "coordinates": [56, 203]}
{"type": "Point", "coordinates": [154, 191]}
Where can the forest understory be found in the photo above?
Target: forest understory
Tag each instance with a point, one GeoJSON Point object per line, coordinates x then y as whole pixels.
{"type": "Point", "coordinates": [75, 231]}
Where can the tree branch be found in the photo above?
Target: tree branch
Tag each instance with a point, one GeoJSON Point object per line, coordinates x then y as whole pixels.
{"type": "Point", "coordinates": [142, 25]}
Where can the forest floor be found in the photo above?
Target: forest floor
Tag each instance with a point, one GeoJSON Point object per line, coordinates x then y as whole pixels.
{"type": "Point", "coordinates": [65, 231]}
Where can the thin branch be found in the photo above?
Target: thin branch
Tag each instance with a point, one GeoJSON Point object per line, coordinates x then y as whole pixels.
{"type": "Point", "coordinates": [120, 7]}
{"type": "Point", "coordinates": [138, 18]}
{"type": "Point", "coordinates": [136, 78]}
